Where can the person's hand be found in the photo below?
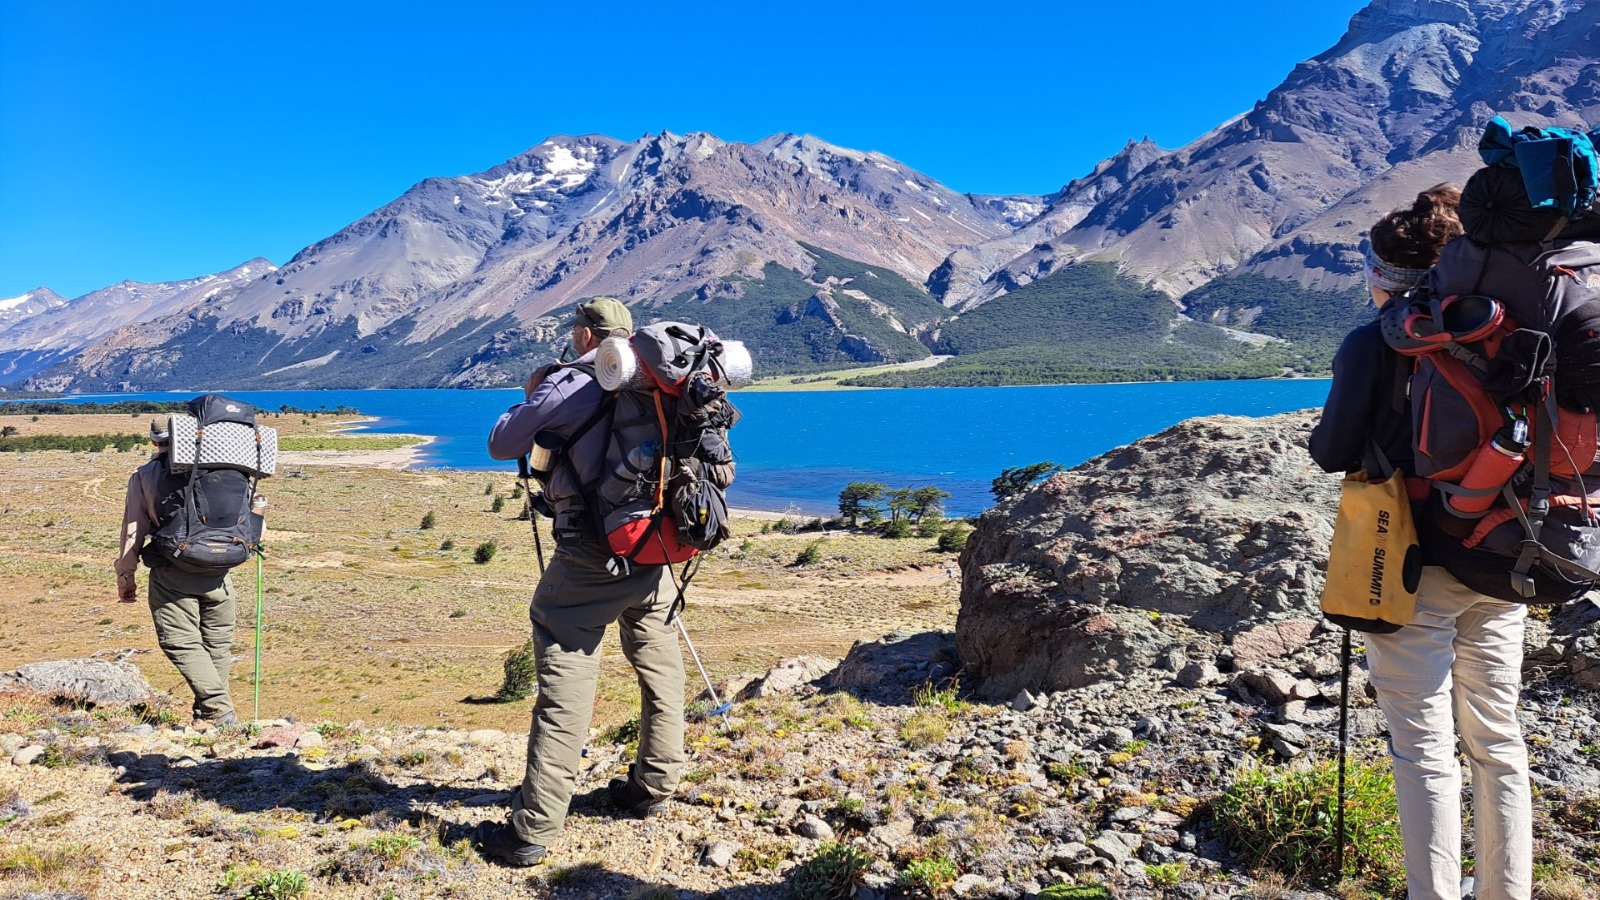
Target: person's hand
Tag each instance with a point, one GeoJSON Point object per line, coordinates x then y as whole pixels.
{"type": "Point", "coordinates": [126, 591]}
{"type": "Point", "coordinates": [536, 379]}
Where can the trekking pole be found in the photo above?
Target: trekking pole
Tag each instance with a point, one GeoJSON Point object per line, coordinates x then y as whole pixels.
{"type": "Point", "coordinates": [719, 708]}
{"type": "Point", "coordinates": [256, 717]}
{"type": "Point", "coordinates": [525, 472]}
{"type": "Point", "coordinates": [1344, 735]}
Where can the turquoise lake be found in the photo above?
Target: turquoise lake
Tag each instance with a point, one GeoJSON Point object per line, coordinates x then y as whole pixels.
{"type": "Point", "coordinates": [796, 450]}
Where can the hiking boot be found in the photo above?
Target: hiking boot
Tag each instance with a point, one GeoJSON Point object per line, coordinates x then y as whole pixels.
{"type": "Point", "coordinates": [629, 797]}
{"type": "Point", "coordinates": [498, 842]}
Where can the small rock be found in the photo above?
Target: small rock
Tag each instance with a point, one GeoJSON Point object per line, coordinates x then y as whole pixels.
{"type": "Point", "coordinates": [480, 800]}
{"type": "Point", "coordinates": [1115, 846]}
{"type": "Point", "coordinates": [973, 884]}
{"type": "Point", "coordinates": [718, 854]}
{"type": "Point", "coordinates": [814, 828]}
{"type": "Point", "coordinates": [788, 676]}
{"type": "Point", "coordinates": [1196, 674]}
{"type": "Point", "coordinates": [1129, 814]}
{"type": "Point", "coordinates": [1294, 734]}
{"type": "Point", "coordinates": [485, 736]}
{"type": "Point", "coordinates": [1271, 641]}
{"type": "Point", "coordinates": [27, 755]}
{"type": "Point", "coordinates": [1023, 701]}
{"type": "Point", "coordinates": [1272, 685]}
{"type": "Point", "coordinates": [308, 740]}
{"type": "Point", "coordinates": [281, 737]}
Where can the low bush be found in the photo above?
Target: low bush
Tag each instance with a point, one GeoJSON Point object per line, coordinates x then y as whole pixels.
{"type": "Point", "coordinates": [521, 673]}
{"type": "Point", "coordinates": [929, 877]}
{"type": "Point", "coordinates": [897, 528]}
{"type": "Point", "coordinates": [428, 520]}
{"type": "Point", "coordinates": [485, 552]}
{"type": "Point", "coordinates": [833, 873]}
{"type": "Point", "coordinates": [810, 555]}
{"type": "Point", "coordinates": [953, 539]}
{"type": "Point", "coordinates": [1283, 820]}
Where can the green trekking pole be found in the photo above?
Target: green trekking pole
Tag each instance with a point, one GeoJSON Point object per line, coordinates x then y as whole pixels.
{"type": "Point", "coordinates": [257, 716]}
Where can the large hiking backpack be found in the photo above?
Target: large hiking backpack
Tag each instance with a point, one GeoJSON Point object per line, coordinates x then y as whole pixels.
{"type": "Point", "coordinates": [205, 519]}
{"type": "Point", "coordinates": [1505, 342]}
{"type": "Point", "coordinates": [660, 497]}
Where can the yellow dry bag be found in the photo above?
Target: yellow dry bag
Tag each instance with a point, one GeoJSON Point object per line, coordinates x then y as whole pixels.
{"type": "Point", "coordinates": [1374, 564]}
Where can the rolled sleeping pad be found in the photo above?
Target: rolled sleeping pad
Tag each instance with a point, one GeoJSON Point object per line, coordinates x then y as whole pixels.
{"type": "Point", "coordinates": [737, 366]}
{"type": "Point", "coordinates": [616, 366]}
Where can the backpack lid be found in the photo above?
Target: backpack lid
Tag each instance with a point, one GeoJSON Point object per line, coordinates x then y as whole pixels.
{"type": "Point", "coordinates": [1559, 167]}
{"type": "Point", "coordinates": [211, 408]}
{"type": "Point", "coordinates": [671, 351]}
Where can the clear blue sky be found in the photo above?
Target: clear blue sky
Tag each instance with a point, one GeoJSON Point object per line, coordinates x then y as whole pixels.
{"type": "Point", "coordinates": [162, 140]}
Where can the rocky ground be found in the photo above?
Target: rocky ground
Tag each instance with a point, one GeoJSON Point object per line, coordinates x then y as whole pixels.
{"type": "Point", "coordinates": [1107, 785]}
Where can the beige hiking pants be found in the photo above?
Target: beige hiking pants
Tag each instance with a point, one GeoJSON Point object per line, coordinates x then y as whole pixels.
{"type": "Point", "coordinates": [1457, 666]}
{"type": "Point", "coordinates": [194, 617]}
{"type": "Point", "coordinates": [575, 601]}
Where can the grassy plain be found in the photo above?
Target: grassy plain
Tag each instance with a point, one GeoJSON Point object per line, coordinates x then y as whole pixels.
{"type": "Point", "coordinates": [829, 381]}
{"type": "Point", "coordinates": [368, 616]}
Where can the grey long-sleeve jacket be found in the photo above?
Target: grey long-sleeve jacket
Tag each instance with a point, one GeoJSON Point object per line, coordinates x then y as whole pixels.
{"type": "Point", "coordinates": [561, 403]}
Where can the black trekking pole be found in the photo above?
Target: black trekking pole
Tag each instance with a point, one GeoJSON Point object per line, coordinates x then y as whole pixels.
{"type": "Point", "coordinates": [525, 472]}
{"type": "Point", "coordinates": [1344, 736]}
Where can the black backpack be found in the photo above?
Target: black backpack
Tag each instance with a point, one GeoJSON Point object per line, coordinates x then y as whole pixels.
{"type": "Point", "coordinates": [205, 523]}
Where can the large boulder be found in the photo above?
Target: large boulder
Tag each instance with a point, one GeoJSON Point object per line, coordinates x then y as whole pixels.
{"type": "Point", "coordinates": [1157, 552]}
{"type": "Point", "coordinates": [93, 681]}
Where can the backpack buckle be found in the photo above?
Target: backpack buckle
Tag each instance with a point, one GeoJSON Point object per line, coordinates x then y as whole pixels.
{"type": "Point", "coordinates": [619, 567]}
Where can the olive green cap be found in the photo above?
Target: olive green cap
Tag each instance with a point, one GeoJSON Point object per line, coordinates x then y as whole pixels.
{"type": "Point", "coordinates": [604, 315]}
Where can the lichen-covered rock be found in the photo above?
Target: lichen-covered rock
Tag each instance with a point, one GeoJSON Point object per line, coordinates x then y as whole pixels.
{"type": "Point", "coordinates": [95, 681]}
{"type": "Point", "coordinates": [1205, 531]}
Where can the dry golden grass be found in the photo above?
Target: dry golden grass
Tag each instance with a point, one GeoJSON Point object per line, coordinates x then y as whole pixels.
{"type": "Point", "coordinates": [367, 618]}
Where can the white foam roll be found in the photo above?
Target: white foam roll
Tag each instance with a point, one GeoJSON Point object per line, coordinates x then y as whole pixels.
{"type": "Point", "coordinates": [737, 364]}
{"type": "Point", "coordinates": [616, 366]}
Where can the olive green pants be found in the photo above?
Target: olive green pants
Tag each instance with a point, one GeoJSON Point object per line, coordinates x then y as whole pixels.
{"type": "Point", "coordinates": [575, 601]}
{"type": "Point", "coordinates": [194, 617]}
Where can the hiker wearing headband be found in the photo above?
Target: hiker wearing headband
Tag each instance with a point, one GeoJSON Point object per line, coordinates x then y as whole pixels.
{"type": "Point", "coordinates": [1457, 664]}
{"type": "Point", "coordinates": [577, 598]}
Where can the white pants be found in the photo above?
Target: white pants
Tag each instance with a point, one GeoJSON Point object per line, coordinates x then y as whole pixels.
{"type": "Point", "coordinates": [1458, 665]}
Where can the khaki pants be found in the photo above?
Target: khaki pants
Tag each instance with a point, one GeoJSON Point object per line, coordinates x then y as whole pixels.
{"type": "Point", "coordinates": [194, 617]}
{"type": "Point", "coordinates": [1458, 666]}
{"type": "Point", "coordinates": [575, 601]}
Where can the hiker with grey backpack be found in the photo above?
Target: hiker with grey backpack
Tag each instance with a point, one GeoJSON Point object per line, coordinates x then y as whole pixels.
{"type": "Point", "coordinates": [192, 515]}
{"type": "Point", "coordinates": [1472, 398]}
{"type": "Point", "coordinates": [630, 445]}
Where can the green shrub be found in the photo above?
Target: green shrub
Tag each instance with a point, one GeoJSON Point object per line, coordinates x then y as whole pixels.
{"type": "Point", "coordinates": [832, 874]}
{"type": "Point", "coordinates": [1075, 892]}
{"type": "Point", "coordinates": [521, 673]}
{"type": "Point", "coordinates": [516, 491]}
{"type": "Point", "coordinates": [427, 520]}
{"type": "Point", "coordinates": [954, 538]}
{"type": "Point", "coordinates": [930, 526]}
{"type": "Point", "coordinates": [897, 528]}
{"type": "Point", "coordinates": [810, 555]}
{"type": "Point", "coordinates": [485, 552]}
{"type": "Point", "coordinates": [1284, 821]}
{"type": "Point", "coordinates": [488, 489]}
{"type": "Point", "coordinates": [929, 877]}
{"type": "Point", "coordinates": [281, 885]}
{"type": "Point", "coordinates": [447, 544]}
{"type": "Point", "coordinates": [498, 504]}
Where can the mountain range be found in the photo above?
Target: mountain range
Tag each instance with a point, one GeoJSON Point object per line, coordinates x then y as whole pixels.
{"type": "Point", "coordinates": [1239, 254]}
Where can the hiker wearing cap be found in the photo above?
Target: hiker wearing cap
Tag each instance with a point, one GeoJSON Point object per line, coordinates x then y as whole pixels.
{"type": "Point", "coordinates": [1456, 666]}
{"type": "Point", "coordinates": [193, 613]}
{"type": "Point", "coordinates": [576, 599]}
